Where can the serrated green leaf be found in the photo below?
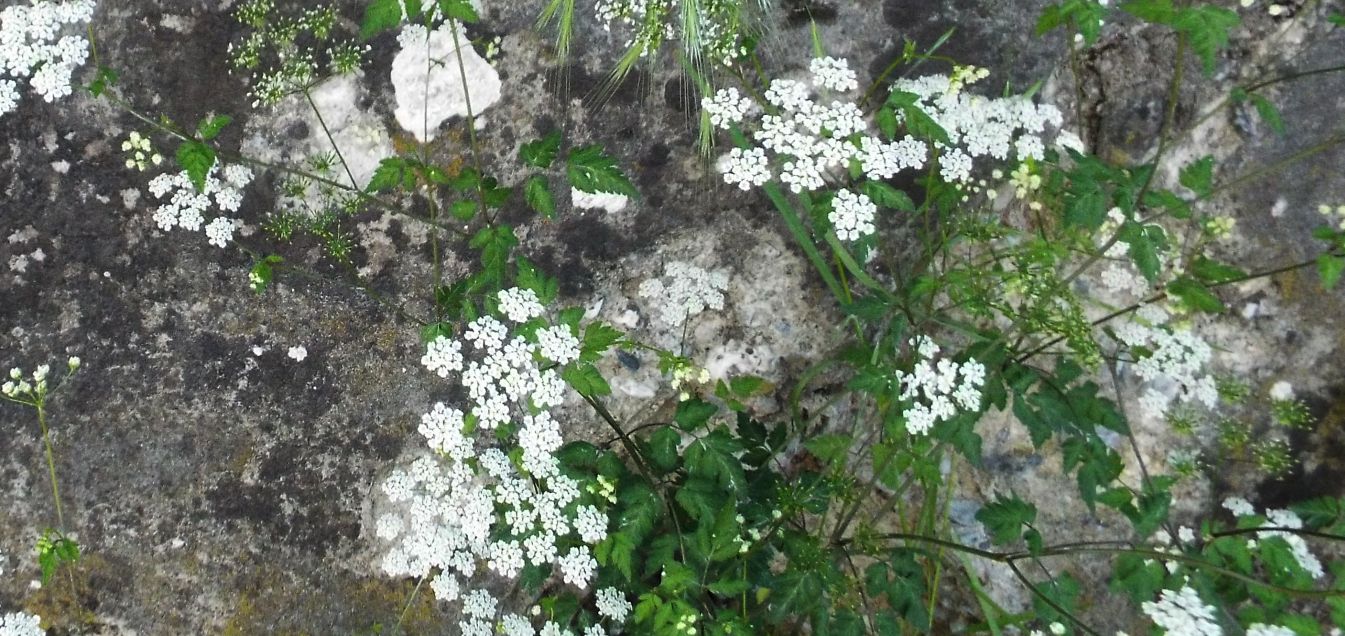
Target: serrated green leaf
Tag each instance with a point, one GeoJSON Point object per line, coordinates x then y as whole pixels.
{"type": "Point", "coordinates": [591, 170]}
{"type": "Point", "coordinates": [694, 413]}
{"type": "Point", "coordinates": [380, 16]}
{"type": "Point", "coordinates": [663, 448]}
{"type": "Point", "coordinates": [598, 338]}
{"type": "Point", "coordinates": [1005, 518]}
{"type": "Point", "coordinates": [197, 159]}
{"type": "Point", "coordinates": [529, 277]}
{"type": "Point", "coordinates": [1212, 271]}
{"type": "Point", "coordinates": [586, 379]}
{"type": "Point", "coordinates": [1207, 28]}
{"type": "Point", "coordinates": [1329, 268]}
{"type": "Point", "coordinates": [459, 10]}
{"type": "Point", "coordinates": [1198, 176]}
{"type": "Point", "coordinates": [104, 78]}
{"type": "Point", "coordinates": [537, 192]}
{"type": "Point", "coordinates": [1195, 295]}
{"type": "Point", "coordinates": [714, 456]}
{"type": "Point", "coordinates": [1145, 244]}
{"type": "Point", "coordinates": [830, 448]}
{"type": "Point", "coordinates": [888, 196]}
{"type": "Point", "coordinates": [210, 128]}
{"type": "Point", "coordinates": [1268, 113]}
{"type": "Point", "coordinates": [464, 209]}
{"type": "Point", "coordinates": [541, 153]}
{"type": "Point", "coordinates": [390, 173]}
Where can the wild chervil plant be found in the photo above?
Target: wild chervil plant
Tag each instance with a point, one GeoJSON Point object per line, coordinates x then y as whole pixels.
{"type": "Point", "coordinates": [830, 520]}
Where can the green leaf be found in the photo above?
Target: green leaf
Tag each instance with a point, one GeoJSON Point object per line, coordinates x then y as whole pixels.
{"type": "Point", "coordinates": [1198, 176]}
{"type": "Point", "coordinates": [380, 16]}
{"type": "Point", "coordinates": [262, 273]}
{"type": "Point", "coordinates": [1207, 28]}
{"type": "Point", "coordinates": [887, 122]}
{"type": "Point", "coordinates": [918, 123]}
{"type": "Point", "coordinates": [591, 170]}
{"type": "Point", "coordinates": [1145, 243]}
{"type": "Point", "coordinates": [537, 192]}
{"type": "Point", "coordinates": [585, 379]}
{"type": "Point", "coordinates": [197, 159]}
{"type": "Point", "coordinates": [541, 153]}
{"type": "Point", "coordinates": [1195, 295]}
{"type": "Point", "coordinates": [210, 128]}
{"type": "Point", "coordinates": [459, 10]}
{"type": "Point", "coordinates": [464, 210]}
{"type": "Point", "coordinates": [796, 592]}
{"type": "Point", "coordinates": [1268, 113]}
{"type": "Point", "coordinates": [104, 78]}
{"type": "Point", "coordinates": [714, 457]}
{"type": "Point", "coordinates": [888, 196]}
{"type": "Point", "coordinates": [694, 413]}
{"type": "Point", "coordinates": [598, 338]}
{"type": "Point", "coordinates": [1212, 271]}
{"type": "Point", "coordinates": [663, 448]}
{"type": "Point", "coordinates": [495, 243]}
{"type": "Point", "coordinates": [700, 498]}
{"type": "Point", "coordinates": [1005, 518]}
{"type": "Point", "coordinates": [729, 588]}
{"type": "Point", "coordinates": [390, 173]}
{"type": "Point", "coordinates": [529, 277]}
{"type": "Point", "coordinates": [1156, 11]}
{"type": "Point", "coordinates": [1329, 267]}
{"type": "Point", "coordinates": [1087, 208]}
{"type": "Point", "coordinates": [831, 448]}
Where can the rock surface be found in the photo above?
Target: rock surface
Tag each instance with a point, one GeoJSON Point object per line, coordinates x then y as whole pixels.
{"type": "Point", "coordinates": [219, 486]}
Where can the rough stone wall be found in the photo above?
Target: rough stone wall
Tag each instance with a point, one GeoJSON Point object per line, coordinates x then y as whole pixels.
{"type": "Point", "coordinates": [218, 486]}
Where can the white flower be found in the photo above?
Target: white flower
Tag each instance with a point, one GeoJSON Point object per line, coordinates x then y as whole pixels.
{"type": "Point", "coordinates": [852, 215]}
{"type": "Point", "coordinates": [1262, 629]}
{"type": "Point", "coordinates": [936, 390]}
{"type": "Point", "coordinates": [684, 291]}
{"type": "Point", "coordinates": [519, 305]}
{"type": "Point", "coordinates": [443, 356]}
{"type": "Point", "coordinates": [746, 168]}
{"type": "Point", "coordinates": [445, 587]}
{"type": "Point", "coordinates": [1282, 391]}
{"type": "Point", "coordinates": [479, 603]}
{"type": "Point", "coordinates": [727, 107]}
{"type": "Point", "coordinates": [789, 95]}
{"type": "Point", "coordinates": [612, 604]}
{"type": "Point", "coordinates": [20, 624]}
{"type": "Point", "coordinates": [298, 353]}
{"type": "Point", "coordinates": [220, 231]}
{"type": "Point", "coordinates": [388, 527]}
{"type": "Point", "coordinates": [1182, 612]}
{"type": "Point", "coordinates": [591, 524]}
{"type": "Point", "coordinates": [833, 73]}
{"type": "Point", "coordinates": [578, 566]}
{"type": "Point", "coordinates": [558, 343]}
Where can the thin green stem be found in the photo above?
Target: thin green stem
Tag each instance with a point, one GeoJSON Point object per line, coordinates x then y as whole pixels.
{"type": "Point", "coordinates": [308, 96]}
{"type": "Point", "coordinates": [51, 466]}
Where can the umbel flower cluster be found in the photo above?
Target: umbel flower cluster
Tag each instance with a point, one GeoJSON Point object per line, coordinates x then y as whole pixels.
{"type": "Point", "coordinates": [32, 47]}
{"type": "Point", "coordinates": [1182, 612]}
{"type": "Point", "coordinates": [186, 207]}
{"type": "Point", "coordinates": [1280, 518]}
{"type": "Point", "coordinates": [684, 290]}
{"type": "Point", "coordinates": [500, 500]}
{"type": "Point", "coordinates": [811, 131]}
{"type": "Point", "coordinates": [1172, 362]}
{"type": "Point", "coordinates": [20, 624]}
{"type": "Point", "coordinates": [718, 31]}
{"type": "Point", "coordinates": [938, 389]}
